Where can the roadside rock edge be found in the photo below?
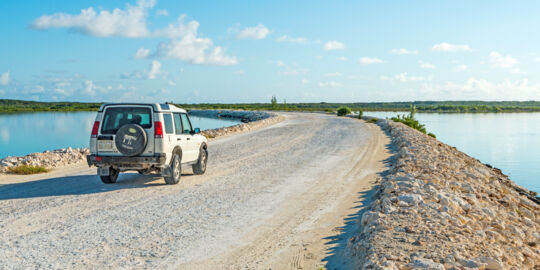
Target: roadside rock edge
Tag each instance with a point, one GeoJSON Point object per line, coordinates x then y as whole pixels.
{"type": "Point", "coordinates": [62, 157]}
{"type": "Point", "coordinates": [437, 208]}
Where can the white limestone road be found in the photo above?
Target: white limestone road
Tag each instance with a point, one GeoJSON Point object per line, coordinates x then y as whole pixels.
{"type": "Point", "coordinates": [285, 196]}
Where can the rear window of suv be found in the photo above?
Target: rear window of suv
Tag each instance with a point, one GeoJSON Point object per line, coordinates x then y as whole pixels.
{"type": "Point", "coordinates": [115, 118]}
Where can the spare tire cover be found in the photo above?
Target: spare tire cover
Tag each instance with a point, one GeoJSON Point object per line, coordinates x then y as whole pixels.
{"type": "Point", "coordinates": [131, 140]}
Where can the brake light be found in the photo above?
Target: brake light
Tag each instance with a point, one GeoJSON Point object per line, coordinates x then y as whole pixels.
{"type": "Point", "coordinates": [98, 158]}
{"type": "Point", "coordinates": [158, 130]}
{"type": "Point", "coordinates": [95, 129]}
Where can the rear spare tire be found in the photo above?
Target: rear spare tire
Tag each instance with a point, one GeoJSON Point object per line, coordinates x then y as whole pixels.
{"type": "Point", "coordinates": [131, 140]}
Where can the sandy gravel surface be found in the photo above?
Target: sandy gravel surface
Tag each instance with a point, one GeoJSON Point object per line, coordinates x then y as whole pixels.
{"type": "Point", "coordinates": [282, 197]}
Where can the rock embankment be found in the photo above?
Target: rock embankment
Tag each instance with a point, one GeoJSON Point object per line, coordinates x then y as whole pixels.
{"type": "Point", "coordinates": [63, 157]}
{"type": "Point", "coordinates": [437, 208]}
{"type": "Point", "coordinates": [251, 121]}
{"type": "Point", "coordinates": [47, 159]}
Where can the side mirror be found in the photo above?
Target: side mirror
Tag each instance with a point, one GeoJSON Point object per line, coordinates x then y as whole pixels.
{"type": "Point", "coordinates": [196, 130]}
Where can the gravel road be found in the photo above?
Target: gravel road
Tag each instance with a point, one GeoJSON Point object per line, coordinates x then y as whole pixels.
{"type": "Point", "coordinates": [282, 197]}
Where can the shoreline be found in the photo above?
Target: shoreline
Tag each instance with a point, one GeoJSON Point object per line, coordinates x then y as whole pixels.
{"type": "Point", "coordinates": [439, 208]}
{"type": "Point", "coordinates": [52, 159]}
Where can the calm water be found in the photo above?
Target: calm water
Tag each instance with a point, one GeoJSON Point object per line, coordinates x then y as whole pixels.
{"type": "Point", "coordinates": [25, 133]}
{"type": "Point", "coordinates": [509, 141]}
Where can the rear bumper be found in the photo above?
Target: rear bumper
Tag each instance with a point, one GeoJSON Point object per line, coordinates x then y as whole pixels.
{"type": "Point", "coordinates": [156, 160]}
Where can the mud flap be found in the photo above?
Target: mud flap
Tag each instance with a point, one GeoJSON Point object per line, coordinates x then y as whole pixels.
{"type": "Point", "coordinates": [103, 171]}
{"type": "Point", "coordinates": [166, 171]}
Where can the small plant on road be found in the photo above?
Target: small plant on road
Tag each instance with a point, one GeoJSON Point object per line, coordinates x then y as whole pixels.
{"type": "Point", "coordinates": [342, 111]}
{"type": "Point", "coordinates": [360, 114]}
{"type": "Point", "coordinates": [28, 169]}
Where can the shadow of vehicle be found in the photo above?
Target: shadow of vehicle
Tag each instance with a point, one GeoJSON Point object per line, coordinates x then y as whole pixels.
{"type": "Point", "coordinates": [76, 185]}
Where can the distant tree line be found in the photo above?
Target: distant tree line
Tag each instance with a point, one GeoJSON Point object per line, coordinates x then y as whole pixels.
{"type": "Point", "coordinates": [10, 106]}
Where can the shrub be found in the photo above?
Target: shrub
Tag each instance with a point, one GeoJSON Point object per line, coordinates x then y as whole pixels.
{"type": "Point", "coordinates": [432, 135]}
{"type": "Point", "coordinates": [28, 169]}
{"type": "Point", "coordinates": [372, 120]}
{"type": "Point", "coordinates": [360, 114]}
{"type": "Point", "coordinates": [341, 111]}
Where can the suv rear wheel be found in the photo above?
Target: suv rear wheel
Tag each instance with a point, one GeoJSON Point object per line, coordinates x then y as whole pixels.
{"type": "Point", "coordinates": [200, 167]}
{"type": "Point", "coordinates": [176, 171]}
{"type": "Point", "coordinates": [111, 178]}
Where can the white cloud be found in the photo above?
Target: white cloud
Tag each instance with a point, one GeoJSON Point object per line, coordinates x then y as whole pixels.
{"type": "Point", "coordinates": [334, 74]}
{"type": "Point", "coordinates": [239, 72]}
{"type": "Point", "coordinates": [474, 88]}
{"type": "Point", "coordinates": [447, 47]}
{"type": "Point", "coordinates": [402, 51]}
{"type": "Point", "coordinates": [403, 77]}
{"type": "Point", "coordinates": [342, 58]}
{"type": "Point", "coordinates": [192, 48]}
{"type": "Point", "coordinates": [500, 61]}
{"type": "Point", "coordinates": [460, 68]}
{"type": "Point", "coordinates": [330, 84]}
{"type": "Point", "coordinates": [88, 87]}
{"type": "Point", "coordinates": [171, 83]}
{"type": "Point", "coordinates": [305, 81]}
{"type": "Point", "coordinates": [129, 22]}
{"type": "Point", "coordinates": [178, 30]}
{"type": "Point", "coordinates": [155, 69]}
{"type": "Point", "coordinates": [256, 32]}
{"type": "Point", "coordinates": [426, 65]}
{"type": "Point", "coordinates": [291, 39]}
{"type": "Point", "coordinates": [162, 12]}
{"type": "Point", "coordinates": [4, 78]}
{"type": "Point", "coordinates": [333, 45]}
{"type": "Point", "coordinates": [142, 53]}
{"type": "Point", "coordinates": [369, 60]}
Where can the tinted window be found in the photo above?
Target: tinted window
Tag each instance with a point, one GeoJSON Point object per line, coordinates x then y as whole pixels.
{"type": "Point", "coordinates": [177, 123]}
{"type": "Point", "coordinates": [185, 123]}
{"type": "Point", "coordinates": [168, 123]}
{"type": "Point", "coordinates": [117, 117]}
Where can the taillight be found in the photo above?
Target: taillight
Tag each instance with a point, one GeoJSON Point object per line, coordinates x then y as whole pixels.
{"type": "Point", "coordinates": [95, 129]}
{"type": "Point", "coordinates": [158, 130]}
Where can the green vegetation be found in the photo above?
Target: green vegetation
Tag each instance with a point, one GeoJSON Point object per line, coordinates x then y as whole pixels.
{"type": "Point", "coordinates": [28, 169]}
{"type": "Point", "coordinates": [372, 120]}
{"type": "Point", "coordinates": [360, 114]}
{"type": "Point", "coordinates": [342, 111]}
{"type": "Point", "coordinates": [411, 121]}
{"type": "Point", "coordinates": [13, 106]}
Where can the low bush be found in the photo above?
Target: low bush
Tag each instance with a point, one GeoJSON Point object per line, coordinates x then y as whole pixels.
{"type": "Point", "coordinates": [28, 169]}
{"type": "Point", "coordinates": [360, 114]}
{"type": "Point", "coordinates": [342, 111]}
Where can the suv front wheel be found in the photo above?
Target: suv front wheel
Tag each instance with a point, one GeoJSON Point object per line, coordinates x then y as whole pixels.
{"type": "Point", "coordinates": [176, 171]}
{"type": "Point", "coordinates": [200, 167]}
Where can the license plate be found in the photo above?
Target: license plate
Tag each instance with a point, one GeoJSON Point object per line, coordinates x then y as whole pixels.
{"type": "Point", "coordinates": [104, 145]}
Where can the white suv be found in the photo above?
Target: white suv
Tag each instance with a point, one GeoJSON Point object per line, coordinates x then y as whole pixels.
{"type": "Point", "coordinates": [147, 138]}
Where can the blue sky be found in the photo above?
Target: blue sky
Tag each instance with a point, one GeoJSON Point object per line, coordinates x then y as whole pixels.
{"type": "Point", "coordinates": [247, 51]}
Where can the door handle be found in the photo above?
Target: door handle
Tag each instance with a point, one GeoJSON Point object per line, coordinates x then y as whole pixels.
{"type": "Point", "coordinates": [188, 138]}
{"type": "Point", "coordinates": [178, 139]}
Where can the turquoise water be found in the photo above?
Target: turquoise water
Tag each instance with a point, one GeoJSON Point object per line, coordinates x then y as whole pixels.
{"type": "Point", "coordinates": [509, 141]}
{"type": "Point", "coordinates": [25, 133]}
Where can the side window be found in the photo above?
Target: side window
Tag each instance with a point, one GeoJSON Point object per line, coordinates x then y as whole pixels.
{"type": "Point", "coordinates": [168, 123]}
{"type": "Point", "coordinates": [185, 123]}
{"type": "Point", "coordinates": [177, 123]}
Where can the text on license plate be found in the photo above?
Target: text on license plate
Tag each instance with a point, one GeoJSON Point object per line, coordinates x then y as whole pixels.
{"type": "Point", "coordinates": [105, 144]}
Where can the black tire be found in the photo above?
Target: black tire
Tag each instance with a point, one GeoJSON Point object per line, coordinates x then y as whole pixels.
{"type": "Point", "coordinates": [200, 167]}
{"type": "Point", "coordinates": [111, 178]}
{"type": "Point", "coordinates": [176, 170]}
{"type": "Point", "coordinates": [131, 140]}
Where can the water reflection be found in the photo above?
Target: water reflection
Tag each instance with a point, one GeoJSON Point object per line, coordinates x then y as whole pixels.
{"type": "Point", "coordinates": [507, 141]}
{"type": "Point", "coordinates": [25, 133]}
